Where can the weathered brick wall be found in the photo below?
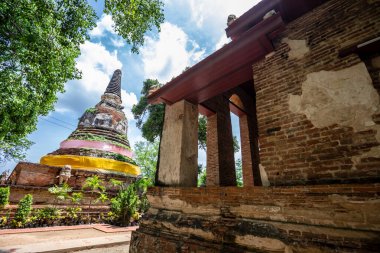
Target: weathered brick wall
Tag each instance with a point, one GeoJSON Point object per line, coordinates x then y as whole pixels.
{"type": "Point", "coordinates": [40, 175]}
{"type": "Point", "coordinates": [292, 149]}
{"type": "Point", "coordinates": [43, 198]}
{"type": "Point", "coordinates": [330, 218]}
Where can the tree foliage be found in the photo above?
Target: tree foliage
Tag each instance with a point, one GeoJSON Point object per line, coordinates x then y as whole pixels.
{"type": "Point", "coordinates": [239, 173]}
{"type": "Point", "coordinates": [13, 148]}
{"type": "Point", "coordinates": [39, 42]}
{"type": "Point", "coordinates": [146, 154]}
{"type": "Point", "coordinates": [133, 18]}
{"type": "Point", "coordinates": [149, 118]}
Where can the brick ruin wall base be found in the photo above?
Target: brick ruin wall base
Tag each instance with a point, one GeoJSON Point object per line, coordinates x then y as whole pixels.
{"type": "Point", "coordinates": [40, 175]}
{"type": "Point", "coordinates": [43, 198]}
{"type": "Point", "coordinates": [35, 179]}
{"type": "Point", "coordinates": [326, 218]}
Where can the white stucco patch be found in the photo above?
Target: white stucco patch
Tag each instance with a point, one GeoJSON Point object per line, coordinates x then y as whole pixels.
{"type": "Point", "coordinates": [261, 243]}
{"type": "Point", "coordinates": [298, 48]}
{"type": "Point", "coordinates": [344, 97]}
{"type": "Point", "coordinates": [165, 202]}
{"type": "Point", "coordinates": [264, 176]}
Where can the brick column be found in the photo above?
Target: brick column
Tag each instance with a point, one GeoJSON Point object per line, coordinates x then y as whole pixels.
{"type": "Point", "coordinates": [246, 157]}
{"type": "Point", "coordinates": [179, 146]}
{"type": "Point", "coordinates": [220, 152]}
{"type": "Point", "coordinates": [249, 151]}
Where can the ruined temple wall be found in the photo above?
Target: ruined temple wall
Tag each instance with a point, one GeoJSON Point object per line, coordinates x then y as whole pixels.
{"type": "Point", "coordinates": [318, 113]}
{"type": "Point", "coordinates": [330, 218]}
{"type": "Point", "coordinates": [40, 175]}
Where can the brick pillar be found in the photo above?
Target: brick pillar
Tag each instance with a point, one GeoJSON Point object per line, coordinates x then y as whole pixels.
{"type": "Point", "coordinates": [179, 146]}
{"type": "Point", "coordinates": [220, 152]}
{"type": "Point", "coordinates": [246, 157]}
{"type": "Point", "coordinates": [249, 151]}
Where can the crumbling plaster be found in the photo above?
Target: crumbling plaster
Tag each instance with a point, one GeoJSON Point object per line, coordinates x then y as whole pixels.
{"type": "Point", "coordinates": [298, 48]}
{"type": "Point", "coordinates": [264, 176]}
{"type": "Point", "coordinates": [345, 97]}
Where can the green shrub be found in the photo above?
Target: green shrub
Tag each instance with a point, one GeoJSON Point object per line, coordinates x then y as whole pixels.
{"type": "Point", "coordinates": [73, 212]}
{"type": "Point", "coordinates": [48, 215]}
{"type": "Point", "coordinates": [125, 205]}
{"type": "Point", "coordinates": [76, 197]}
{"type": "Point", "coordinates": [61, 192]}
{"type": "Point", "coordinates": [24, 209]}
{"type": "Point", "coordinates": [130, 202]}
{"type": "Point", "coordinates": [4, 196]}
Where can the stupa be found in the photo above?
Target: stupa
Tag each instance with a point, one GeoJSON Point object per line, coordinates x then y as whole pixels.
{"type": "Point", "coordinates": [100, 142]}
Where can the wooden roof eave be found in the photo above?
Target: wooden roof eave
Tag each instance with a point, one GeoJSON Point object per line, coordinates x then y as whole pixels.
{"type": "Point", "coordinates": [206, 75]}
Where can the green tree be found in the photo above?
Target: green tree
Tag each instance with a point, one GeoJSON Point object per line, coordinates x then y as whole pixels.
{"type": "Point", "coordinates": [146, 154]}
{"type": "Point", "coordinates": [133, 18]}
{"type": "Point", "coordinates": [202, 174]}
{"type": "Point", "coordinates": [202, 132]}
{"type": "Point", "coordinates": [150, 117]}
{"type": "Point", "coordinates": [239, 173]}
{"type": "Point", "coordinates": [39, 42]}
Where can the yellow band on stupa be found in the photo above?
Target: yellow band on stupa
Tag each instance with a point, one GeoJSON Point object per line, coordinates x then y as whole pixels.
{"type": "Point", "coordinates": [90, 163]}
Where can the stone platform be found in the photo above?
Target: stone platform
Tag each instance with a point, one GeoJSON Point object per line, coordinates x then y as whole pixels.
{"type": "Point", "coordinates": [326, 218]}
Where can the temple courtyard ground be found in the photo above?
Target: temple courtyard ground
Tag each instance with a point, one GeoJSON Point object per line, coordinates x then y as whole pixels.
{"type": "Point", "coordinates": [82, 238]}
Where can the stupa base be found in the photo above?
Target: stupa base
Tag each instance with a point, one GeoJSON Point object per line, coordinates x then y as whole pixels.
{"type": "Point", "coordinates": [41, 175]}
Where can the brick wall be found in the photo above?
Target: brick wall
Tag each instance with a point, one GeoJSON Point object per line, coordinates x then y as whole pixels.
{"type": "Point", "coordinates": [40, 175]}
{"type": "Point", "coordinates": [330, 218]}
{"type": "Point", "coordinates": [43, 198]}
{"type": "Point", "coordinates": [297, 152]}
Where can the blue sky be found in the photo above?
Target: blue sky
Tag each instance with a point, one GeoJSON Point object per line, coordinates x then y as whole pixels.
{"type": "Point", "coordinates": [193, 29]}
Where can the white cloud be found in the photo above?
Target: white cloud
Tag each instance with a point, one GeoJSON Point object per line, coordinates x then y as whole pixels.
{"type": "Point", "coordinates": [129, 99]}
{"type": "Point", "coordinates": [197, 12]}
{"type": "Point", "coordinates": [104, 24]}
{"type": "Point", "coordinates": [222, 41]}
{"type": "Point", "coordinates": [170, 54]}
{"type": "Point", "coordinates": [97, 65]}
{"type": "Point", "coordinates": [214, 13]}
{"type": "Point", "coordinates": [118, 42]}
